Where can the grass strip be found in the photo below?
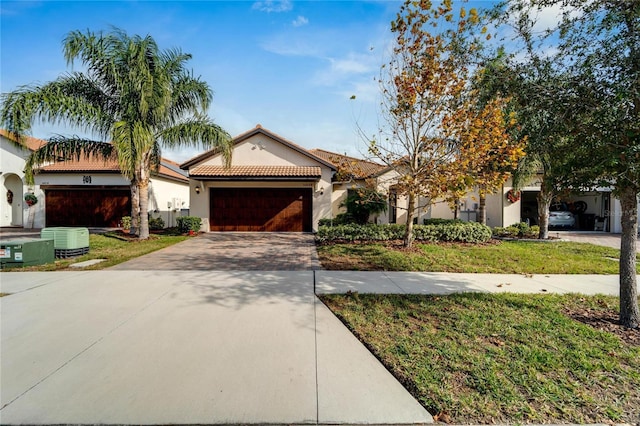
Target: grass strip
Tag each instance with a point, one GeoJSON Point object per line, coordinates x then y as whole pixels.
{"type": "Point", "coordinates": [518, 257]}
{"type": "Point", "coordinates": [506, 358]}
{"type": "Point", "coordinates": [110, 246]}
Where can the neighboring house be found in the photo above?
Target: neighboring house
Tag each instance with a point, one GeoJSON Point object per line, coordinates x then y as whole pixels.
{"type": "Point", "coordinates": [272, 185]}
{"type": "Point", "coordinates": [602, 209]}
{"type": "Point", "coordinates": [351, 174]}
{"type": "Point", "coordinates": [13, 209]}
{"type": "Point", "coordinates": [84, 192]}
{"type": "Point", "coordinates": [93, 193]}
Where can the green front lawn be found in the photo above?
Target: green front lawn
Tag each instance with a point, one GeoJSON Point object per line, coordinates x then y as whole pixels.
{"type": "Point", "coordinates": [481, 358]}
{"type": "Point", "coordinates": [517, 257]}
{"type": "Point", "coordinates": [114, 247]}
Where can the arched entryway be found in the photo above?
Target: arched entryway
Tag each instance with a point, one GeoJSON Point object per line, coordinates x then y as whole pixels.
{"type": "Point", "coordinates": [11, 200]}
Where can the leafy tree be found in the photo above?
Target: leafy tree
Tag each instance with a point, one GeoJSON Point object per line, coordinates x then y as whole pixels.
{"type": "Point", "coordinates": [490, 153]}
{"type": "Point", "coordinates": [543, 121]}
{"type": "Point", "coordinates": [596, 105]}
{"type": "Point", "coordinates": [434, 137]}
{"type": "Point", "coordinates": [538, 92]}
{"type": "Point", "coordinates": [132, 94]}
{"type": "Point", "coordinates": [602, 47]}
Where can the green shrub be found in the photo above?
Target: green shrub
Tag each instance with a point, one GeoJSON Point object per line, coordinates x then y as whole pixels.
{"type": "Point", "coordinates": [534, 231]}
{"type": "Point", "coordinates": [469, 232]}
{"type": "Point", "coordinates": [466, 232]}
{"type": "Point", "coordinates": [363, 202]}
{"type": "Point", "coordinates": [324, 222]}
{"type": "Point", "coordinates": [438, 221]}
{"type": "Point", "coordinates": [188, 223]}
{"type": "Point", "coordinates": [517, 230]}
{"type": "Point", "coordinates": [340, 219]}
{"type": "Point", "coordinates": [156, 223]}
{"type": "Point", "coordinates": [126, 222]}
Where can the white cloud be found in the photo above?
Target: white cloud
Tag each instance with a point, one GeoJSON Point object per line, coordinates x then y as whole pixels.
{"type": "Point", "coordinates": [346, 67]}
{"type": "Point", "coordinates": [545, 18]}
{"type": "Point", "coordinates": [365, 90]}
{"type": "Point", "coordinates": [273, 6]}
{"type": "Point", "coordinates": [286, 45]}
{"type": "Point", "coordinates": [300, 21]}
{"type": "Point", "coordinates": [550, 17]}
{"type": "Point", "coordinates": [354, 64]}
{"type": "Point", "coordinates": [17, 8]}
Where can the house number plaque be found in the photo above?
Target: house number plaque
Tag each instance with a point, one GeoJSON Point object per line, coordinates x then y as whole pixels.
{"type": "Point", "coordinates": [86, 179]}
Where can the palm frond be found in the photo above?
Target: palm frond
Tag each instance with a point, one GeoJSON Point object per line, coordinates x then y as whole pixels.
{"type": "Point", "coordinates": [64, 148]}
{"type": "Point", "coordinates": [198, 131]}
{"type": "Point", "coordinates": [190, 96]}
{"type": "Point", "coordinates": [58, 102]}
{"type": "Point", "coordinates": [527, 168]}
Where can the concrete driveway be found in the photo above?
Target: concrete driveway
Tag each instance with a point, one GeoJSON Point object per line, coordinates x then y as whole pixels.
{"type": "Point", "coordinates": [233, 251]}
{"type": "Point", "coordinates": [605, 239]}
{"type": "Point", "coordinates": [185, 347]}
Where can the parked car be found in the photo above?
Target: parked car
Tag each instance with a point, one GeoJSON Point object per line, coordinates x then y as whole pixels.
{"type": "Point", "coordinates": [560, 216]}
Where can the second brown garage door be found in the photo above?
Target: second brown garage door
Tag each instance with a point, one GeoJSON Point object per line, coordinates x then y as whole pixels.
{"type": "Point", "coordinates": [260, 209]}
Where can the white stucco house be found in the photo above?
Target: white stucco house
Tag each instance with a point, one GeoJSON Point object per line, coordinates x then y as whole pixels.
{"type": "Point", "coordinates": [13, 209]}
{"type": "Point", "coordinates": [602, 209]}
{"type": "Point", "coordinates": [84, 192]}
{"type": "Point", "coordinates": [351, 173]}
{"type": "Point", "coordinates": [273, 185]}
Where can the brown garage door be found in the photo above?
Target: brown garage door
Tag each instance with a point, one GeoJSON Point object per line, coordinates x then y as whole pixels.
{"type": "Point", "coordinates": [260, 209]}
{"type": "Point", "coordinates": [87, 207]}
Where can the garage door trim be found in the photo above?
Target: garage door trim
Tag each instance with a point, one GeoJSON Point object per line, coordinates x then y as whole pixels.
{"type": "Point", "coordinates": [260, 209]}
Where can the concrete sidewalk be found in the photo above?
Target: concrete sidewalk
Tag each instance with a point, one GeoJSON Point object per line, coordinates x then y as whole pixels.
{"type": "Point", "coordinates": [185, 347]}
{"type": "Point", "coordinates": [207, 347]}
{"type": "Point", "coordinates": [328, 282]}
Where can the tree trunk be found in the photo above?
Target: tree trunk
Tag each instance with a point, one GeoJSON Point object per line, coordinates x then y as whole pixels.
{"type": "Point", "coordinates": [544, 202]}
{"type": "Point", "coordinates": [408, 232]}
{"type": "Point", "coordinates": [629, 311]}
{"type": "Point", "coordinates": [135, 208]}
{"type": "Point", "coordinates": [482, 208]}
{"type": "Point", "coordinates": [144, 215]}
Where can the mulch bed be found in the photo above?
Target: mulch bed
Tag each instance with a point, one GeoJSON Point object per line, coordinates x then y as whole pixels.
{"type": "Point", "coordinates": [605, 321]}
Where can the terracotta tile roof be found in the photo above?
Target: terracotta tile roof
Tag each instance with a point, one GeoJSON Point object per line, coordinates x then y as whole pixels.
{"type": "Point", "coordinates": [257, 172]}
{"type": "Point", "coordinates": [82, 165]}
{"type": "Point", "coordinates": [349, 167]}
{"type": "Point", "coordinates": [94, 165]}
{"type": "Point", "coordinates": [30, 142]}
{"type": "Point", "coordinates": [167, 167]}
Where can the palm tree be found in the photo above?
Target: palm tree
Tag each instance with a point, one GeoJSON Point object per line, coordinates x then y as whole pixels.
{"type": "Point", "coordinates": [134, 95]}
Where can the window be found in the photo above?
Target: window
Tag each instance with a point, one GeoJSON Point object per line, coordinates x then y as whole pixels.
{"type": "Point", "coordinates": [393, 206]}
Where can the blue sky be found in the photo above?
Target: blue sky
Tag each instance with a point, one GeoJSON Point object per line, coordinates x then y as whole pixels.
{"type": "Point", "coordinates": [291, 66]}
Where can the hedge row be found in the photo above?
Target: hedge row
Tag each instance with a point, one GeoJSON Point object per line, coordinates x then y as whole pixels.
{"type": "Point", "coordinates": [468, 232]}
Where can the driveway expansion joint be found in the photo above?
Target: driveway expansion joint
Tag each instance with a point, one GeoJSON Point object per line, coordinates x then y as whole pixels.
{"type": "Point", "coordinates": [94, 343]}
